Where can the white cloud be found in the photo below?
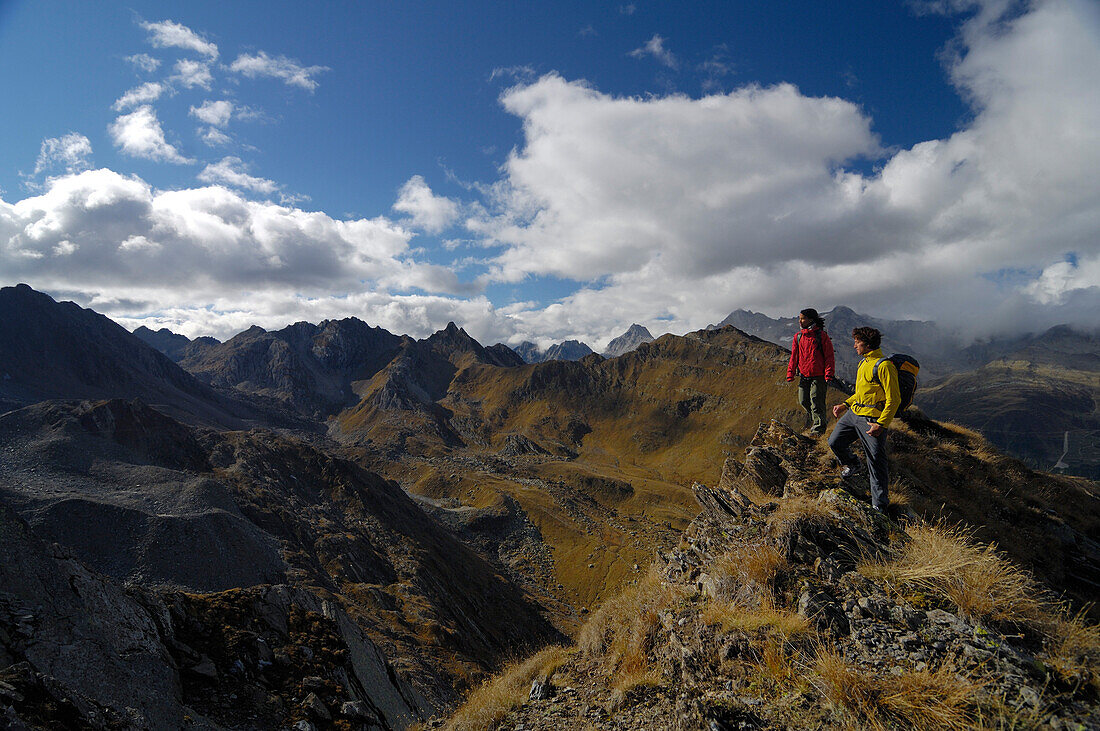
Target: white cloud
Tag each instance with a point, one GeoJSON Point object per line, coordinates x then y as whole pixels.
{"type": "Point", "coordinates": [232, 171]}
{"type": "Point", "coordinates": [214, 137]}
{"type": "Point", "coordinates": [1062, 280]}
{"type": "Point", "coordinates": [193, 73]}
{"type": "Point", "coordinates": [148, 92]}
{"type": "Point", "coordinates": [677, 210]}
{"type": "Point", "coordinates": [430, 212]}
{"type": "Point", "coordinates": [169, 34]}
{"type": "Point", "coordinates": [288, 70]}
{"type": "Point", "coordinates": [214, 113]}
{"type": "Point", "coordinates": [144, 62]}
{"type": "Point", "coordinates": [199, 246]}
{"type": "Point", "coordinates": [670, 210]}
{"type": "Point", "coordinates": [139, 134]}
{"type": "Point", "coordinates": [655, 47]}
{"type": "Point", "coordinates": [69, 153]}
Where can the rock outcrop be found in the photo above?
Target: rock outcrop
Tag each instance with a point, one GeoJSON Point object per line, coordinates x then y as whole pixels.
{"type": "Point", "coordinates": [789, 603]}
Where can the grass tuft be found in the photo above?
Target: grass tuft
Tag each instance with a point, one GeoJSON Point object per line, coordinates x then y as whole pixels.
{"type": "Point", "coordinates": [621, 633]}
{"type": "Point", "coordinates": [732, 618]}
{"type": "Point", "coordinates": [937, 699]}
{"type": "Point", "coordinates": [975, 578]}
{"type": "Point", "coordinates": [493, 700]}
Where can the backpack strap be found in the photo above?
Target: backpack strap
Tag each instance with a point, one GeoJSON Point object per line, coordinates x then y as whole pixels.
{"type": "Point", "coordinates": [874, 371]}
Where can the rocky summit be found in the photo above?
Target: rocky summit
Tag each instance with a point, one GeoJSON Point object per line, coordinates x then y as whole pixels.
{"type": "Point", "coordinates": [790, 604]}
{"type": "Point", "coordinates": [331, 526]}
{"type": "Point", "coordinates": [634, 336]}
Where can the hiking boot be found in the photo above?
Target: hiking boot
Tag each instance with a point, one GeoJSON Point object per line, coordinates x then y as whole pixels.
{"type": "Point", "coordinates": [847, 471]}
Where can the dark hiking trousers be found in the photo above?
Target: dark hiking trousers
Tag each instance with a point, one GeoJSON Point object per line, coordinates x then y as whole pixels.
{"type": "Point", "coordinates": [811, 394]}
{"type": "Point", "coordinates": [848, 429]}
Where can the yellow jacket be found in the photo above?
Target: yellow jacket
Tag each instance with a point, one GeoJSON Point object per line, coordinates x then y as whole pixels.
{"type": "Point", "coordinates": [876, 399]}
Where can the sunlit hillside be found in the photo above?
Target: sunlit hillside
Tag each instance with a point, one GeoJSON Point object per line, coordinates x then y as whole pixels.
{"type": "Point", "coordinates": [595, 455]}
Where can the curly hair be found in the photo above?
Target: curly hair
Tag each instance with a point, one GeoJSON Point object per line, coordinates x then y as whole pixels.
{"type": "Point", "coordinates": [869, 336]}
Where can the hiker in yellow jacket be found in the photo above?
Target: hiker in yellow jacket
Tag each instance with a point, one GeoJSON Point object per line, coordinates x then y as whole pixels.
{"type": "Point", "coordinates": [867, 415]}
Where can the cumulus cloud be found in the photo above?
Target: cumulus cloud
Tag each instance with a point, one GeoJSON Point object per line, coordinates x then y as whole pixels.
{"type": "Point", "coordinates": [214, 113]}
{"type": "Point", "coordinates": [655, 47]}
{"type": "Point", "coordinates": [102, 232]}
{"type": "Point", "coordinates": [169, 34]}
{"type": "Point", "coordinates": [139, 134]}
{"type": "Point", "coordinates": [676, 210]}
{"type": "Point", "coordinates": [604, 185]}
{"type": "Point", "coordinates": [668, 210]}
{"type": "Point", "coordinates": [430, 212]}
{"type": "Point", "coordinates": [144, 62]}
{"type": "Point", "coordinates": [232, 171]}
{"type": "Point", "coordinates": [288, 70]}
{"type": "Point", "coordinates": [68, 153]}
{"type": "Point", "coordinates": [191, 73]}
{"type": "Point", "coordinates": [1060, 281]}
{"type": "Point", "coordinates": [148, 92]}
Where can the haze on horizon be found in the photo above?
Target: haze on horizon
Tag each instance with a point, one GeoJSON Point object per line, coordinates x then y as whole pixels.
{"type": "Point", "coordinates": [551, 173]}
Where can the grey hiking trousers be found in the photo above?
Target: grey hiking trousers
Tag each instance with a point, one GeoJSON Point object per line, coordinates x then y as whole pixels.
{"type": "Point", "coordinates": [848, 429]}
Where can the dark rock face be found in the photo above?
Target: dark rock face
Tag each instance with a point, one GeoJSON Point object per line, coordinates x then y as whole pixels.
{"type": "Point", "coordinates": [84, 644]}
{"type": "Point", "coordinates": [311, 367]}
{"type": "Point", "coordinates": [504, 356]}
{"type": "Point", "coordinates": [79, 652]}
{"type": "Point", "coordinates": [59, 350]}
{"type": "Point", "coordinates": [568, 350]}
{"type": "Point", "coordinates": [172, 344]}
{"type": "Point", "coordinates": [129, 490]}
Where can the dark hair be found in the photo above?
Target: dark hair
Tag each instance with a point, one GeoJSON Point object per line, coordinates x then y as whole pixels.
{"type": "Point", "coordinates": [815, 319]}
{"type": "Point", "coordinates": [869, 336]}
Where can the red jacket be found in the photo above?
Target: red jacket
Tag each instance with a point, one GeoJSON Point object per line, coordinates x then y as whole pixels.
{"type": "Point", "coordinates": [807, 359]}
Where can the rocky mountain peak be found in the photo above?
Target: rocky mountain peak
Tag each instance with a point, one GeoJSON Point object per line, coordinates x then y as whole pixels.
{"type": "Point", "coordinates": [634, 336]}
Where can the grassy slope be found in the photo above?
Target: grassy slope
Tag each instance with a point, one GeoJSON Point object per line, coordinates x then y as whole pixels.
{"type": "Point", "coordinates": [1025, 409]}
{"type": "Point", "coordinates": [637, 430]}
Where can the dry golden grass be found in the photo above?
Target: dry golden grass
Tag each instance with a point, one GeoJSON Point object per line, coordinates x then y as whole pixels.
{"type": "Point", "coordinates": [752, 566]}
{"type": "Point", "coordinates": [491, 702]}
{"type": "Point", "coordinates": [621, 633]}
{"type": "Point", "coordinates": [927, 699]}
{"type": "Point", "coordinates": [1074, 650]}
{"type": "Point", "coordinates": [794, 510]}
{"type": "Point", "coordinates": [732, 618]}
{"type": "Point", "coordinates": [975, 578]}
{"type": "Point", "coordinates": [778, 662]}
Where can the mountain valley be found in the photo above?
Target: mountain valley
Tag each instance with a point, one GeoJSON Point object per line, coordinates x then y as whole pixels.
{"type": "Point", "coordinates": [342, 527]}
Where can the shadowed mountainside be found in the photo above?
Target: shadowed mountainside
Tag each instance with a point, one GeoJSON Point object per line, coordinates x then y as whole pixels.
{"type": "Point", "coordinates": [313, 368]}
{"type": "Point", "coordinates": [1039, 401]}
{"type": "Point", "coordinates": [145, 499]}
{"type": "Point", "coordinates": [52, 350]}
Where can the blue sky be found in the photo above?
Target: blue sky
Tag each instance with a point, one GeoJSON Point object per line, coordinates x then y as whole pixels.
{"type": "Point", "coordinates": [552, 170]}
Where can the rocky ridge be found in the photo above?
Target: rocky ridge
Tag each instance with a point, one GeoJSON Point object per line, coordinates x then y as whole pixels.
{"type": "Point", "coordinates": [565, 350]}
{"type": "Point", "coordinates": [789, 603]}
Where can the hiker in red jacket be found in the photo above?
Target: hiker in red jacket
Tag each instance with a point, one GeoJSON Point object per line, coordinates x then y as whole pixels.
{"type": "Point", "coordinates": [812, 362]}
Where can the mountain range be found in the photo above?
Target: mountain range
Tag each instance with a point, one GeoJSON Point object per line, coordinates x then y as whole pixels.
{"type": "Point", "coordinates": [1034, 395]}
{"type": "Point", "coordinates": [334, 525]}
